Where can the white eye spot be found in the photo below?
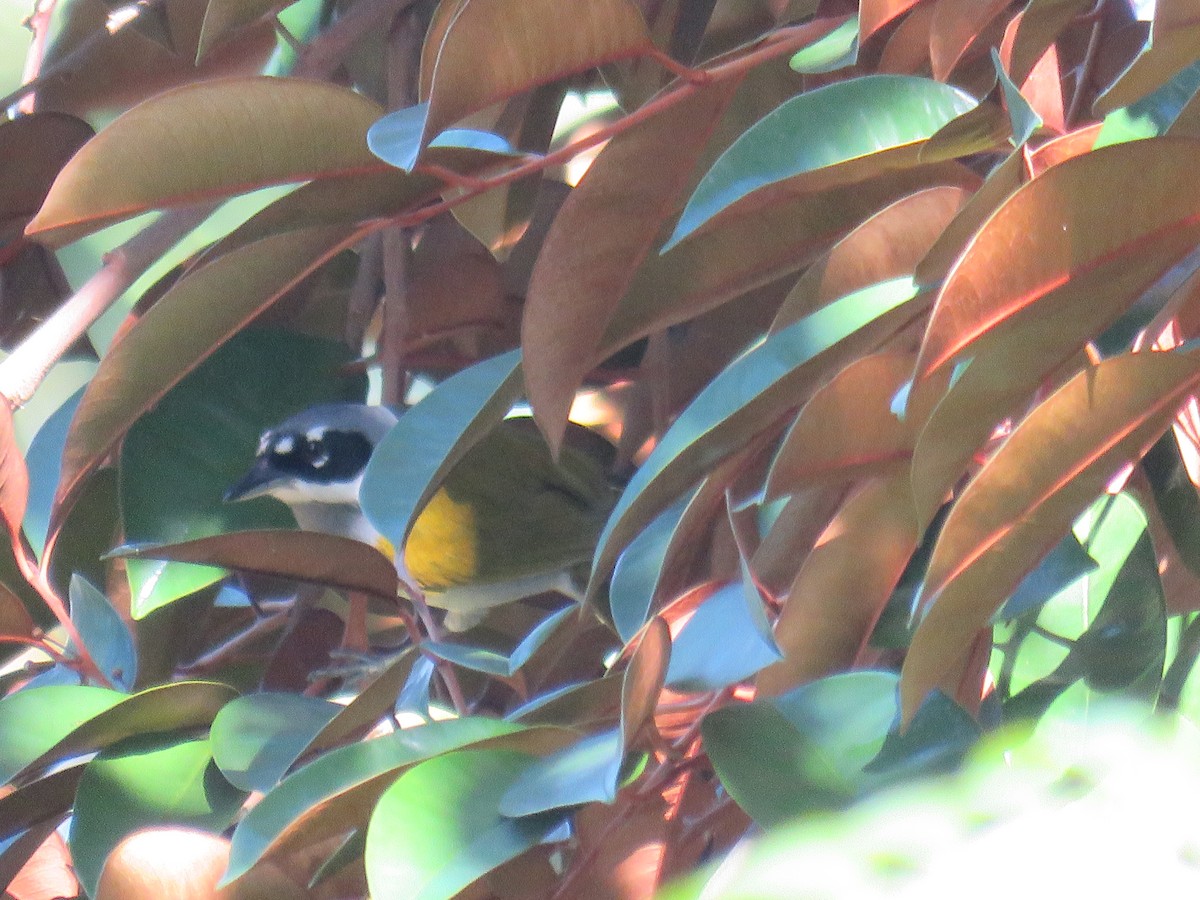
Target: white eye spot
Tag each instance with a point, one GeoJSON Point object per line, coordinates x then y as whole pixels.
{"type": "Point", "coordinates": [284, 445]}
{"type": "Point", "coordinates": [315, 435]}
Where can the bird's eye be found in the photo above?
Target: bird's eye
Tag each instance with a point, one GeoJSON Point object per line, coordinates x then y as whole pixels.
{"type": "Point", "coordinates": [317, 452]}
{"type": "Point", "coordinates": [284, 445]}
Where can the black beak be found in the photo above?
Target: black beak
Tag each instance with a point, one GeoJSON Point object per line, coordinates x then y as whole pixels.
{"type": "Point", "coordinates": [255, 483]}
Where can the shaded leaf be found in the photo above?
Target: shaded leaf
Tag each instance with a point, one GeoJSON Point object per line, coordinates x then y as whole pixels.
{"type": "Point", "coordinates": [1065, 564]}
{"type": "Point", "coordinates": [1063, 248]}
{"type": "Point", "coordinates": [843, 585]}
{"type": "Point", "coordinates": [396, 138]}
{"type": "Point", "coordinates": [170, 340]}
{"type": "Point", "coordinates": [438, 828]}
{"type": "Point", "coordinates": [1043, 476]}
{"type": "Point", "coordinates": [14, 477]}
{"type": "Point", "coordinates": [47, 799]}
{"type": "Point", "coordinates": [208, 140]}
{"type": "Point", "coordinates": [605, 229]}
{"type": "Point", "coordinates": [106, 636]}
{"type": "Point", "coordinates": [1154, 114]}
{"type": "Point", "coordinates": [746, 397]}
{"type": "Point", "coordinates": [303, 555]}
{"type": "Point", "coordinates": [719, 645]}
{"type": "Point", "coordinates": [145, 782]}
{"type": "Point", "coordinates": [936, 740]}
{"type": "Point", "coordinates": [1171, 47]}
{"type": "Point", "coordinates": [224, 16]}
{"type": "Point", "coordinates": [874, 14]}
{"type": "Point", "coordinates": [590, 703]}
{"type": "Point", "coordinates": [37, 146]}
{"type": "Point", "coordinates": [493, 49]}
{"type": "Point", "coordinates": [256, 738]}
{"type": "Point", "coordinates": [1040, 25]}
{"type": "Point", "coordinates": [803, 751]}
{"type": "Point", "coordinates": [819, 131]}
{"type": "Point", "coordinates": [1024, 119]}
{"type": "Point", "coordinates": [637, 571]}
{"type": "Point", "coordinates": [956, 25]}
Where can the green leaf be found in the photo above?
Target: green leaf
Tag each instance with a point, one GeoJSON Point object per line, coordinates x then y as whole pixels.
{"type": "Point", "coordinates": [104, 633]}
{"type": "Point", "coordinates": [588, 771]}
{"type": "Point", "coordinates": [719, 645]}
{"type": "Point", "coordinates": [822, 129]}
{"type": "Point", "coordinates": [492, 662]}
{"type": "Point", "coordinates": [438, 828]}
{"type": "Point", "coordinates": [356, 775]}
{"type": "Point", "coordinates": [256, 738]}
{"type": "Point", "coordinates": [836, 50]}
{"type": "Point", "coordinates": [1176, 497]}
{"type": "Point", "coordinates": [180, 457]}
{"type": "Point", "coordinates": [1064, 565]}
{"type": "Point", "coordinates": [936, 740]}
{"type": "Point", "coordinates": [1025, 120]}
{"type": "Point", "coordinates": [805, 750]}
{"type": "Point", "coordinates": [637, 570]}
{"type": "Point", "coordinates": [143, 783]}
{"type": "Point", "coordinates": [45, 459]}
{"type": "Point", "coordinates": [1152, 115]}
{"type": "Point", "coordinates": [33, 721]}
{"type": "Point", "coordinates": [749, 394]}
{"type": "Point", "coordinates": [410, 463]}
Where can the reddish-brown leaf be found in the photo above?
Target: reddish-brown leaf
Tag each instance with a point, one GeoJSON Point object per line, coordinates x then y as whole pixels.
{"type": "Point", "coordinates": [36, 146]}
{"type": "Point", "coordinates": [493, 49]}
{"type": "Point", "coordinates": [1066, 252]}
{"type": "Point", "coordinates": [14, 477]}
{"type": "Point", "coordinates": [843, 585]}
{"type": "Point", "coordinates": [874, 14]}
{"type": "Point", "coordinates": [887, 245]}
{"type": "Point", "coordinates": [1039, 26]}
{"type": "Point", "coordinates": [955, 26]}
{"type": "Point", "coordinates": [1060, 149]}
{"type": "Point", "coordinates": [907, 51]}
{"type": "Point", "coordinates": [605, 230]}
{"type": "Point", "coordinates": [1050, 468]}
{"type": "Point", "coordinates": [301, 555]}
{"type": "Point", "coordinates": [644, 679]}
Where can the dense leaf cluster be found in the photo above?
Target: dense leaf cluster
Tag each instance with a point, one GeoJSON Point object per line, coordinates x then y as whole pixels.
{"type": "Point", "coordinates": [882, 314]}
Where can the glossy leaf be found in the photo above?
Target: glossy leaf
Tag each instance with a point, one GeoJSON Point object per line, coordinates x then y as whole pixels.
{"type": "Point", "coordinates": [209, 140]}
{"type": "Point", "coordinates": [1062, 566]}
{"type": "Point", "coordinates": [438, 828]}
{"type": "Point", "coordinates": [1095, 253]}
{"type": "Point", "coordinates": [589, 703]}
{"type": "Point", "coordinates": [1050, 468]}
{"type": "Point", "coordinates": [141, 783]}
{"type": "Point", "coordinates": [1024, 119]}
{"type": "Point", "coordinates": [104, 633]}
{"type": "Point", "coordinates": [843, 585]}
{"type": "Point", "coordinates": [746, 396]}
{"type": "Point", "coordinates": [170, 340]}
{"type": "Point", "coordinates": [302, 555]}
{"type": "Point", "coordinates": [256, 738]}
{"type": "Point", "coordinates": [1040, 25]}
{"type": "Point", "coordinates": [494, 663]}
{"type": "Point", "coordinates": [224, 16]}
{"type": "Point", "coordinates": [178, 706]}
{"type": "Point", "coordinates": [355, 776]}
{"type": "Point", "coordinates": [835, 51]}
{"type": "Point", "coordinates": [1154, 114]}
{"type": "Point", "coordinates": [936, 740]}
{"type": "Point", "coordinates": [47, 799]}
{"type": "Point", "coordinates": [35, 720]}
{"type": "Point", "coordinates": [719, 645]}
{"type": "Point", "coordinates": [956, 24]}
{"type": "Point", "coordinates": [493, 49]}
{"type": "Point", "coordinates": [14, 477]}
{"type": "Point", "coordinates": [1171, 47]}
{"type": "Point", "coordinates": [644, 680]}
{"type": "Point", "coordinates": [874, 14]}
{"type": "Point", "coordinates": [804, 751]}
{"type": "Point", "coordinates": [755, 248]}
{"type": "Point", "coordinates": [606, 228]}
{"type": "Point", "coordinates": [585, 772]}
{"type": "Point", "coordinates": [409, 464]}
{"type": "Point", "coordinates": [887, 245]}
{"type": "Point", "coordinates": [848, 427]}
{"type": "Point", "coordinates": [637, 571]}
{"type": "Point", "coordinates": [818, 131]}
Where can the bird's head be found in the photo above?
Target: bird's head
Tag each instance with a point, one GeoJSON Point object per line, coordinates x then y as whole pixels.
{"type": "Point", "coordinates": [316, 457]}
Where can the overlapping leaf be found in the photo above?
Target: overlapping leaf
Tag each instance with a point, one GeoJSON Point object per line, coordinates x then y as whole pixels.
{"type": "Point", "coordinates": [1065, 249]}
{"type": "Point", "coordinates": [203, 142]}
{"type": "Point", "coordinates": [1047, 472]}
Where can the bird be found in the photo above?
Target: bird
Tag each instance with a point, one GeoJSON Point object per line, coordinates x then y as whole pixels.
{"type": "Point", "coordinates": [508, 522]}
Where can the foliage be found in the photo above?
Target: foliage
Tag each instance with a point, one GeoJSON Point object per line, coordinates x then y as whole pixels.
{"type": "Point", "coordinates": [882, 314]}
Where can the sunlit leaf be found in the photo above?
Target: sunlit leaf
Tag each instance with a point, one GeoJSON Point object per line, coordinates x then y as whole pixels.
{"type": "Point", "coordinates": [747, 396]}
{"type": "Point", "coordinates": [719, 645]}
{"type": "Point", "coordinates": [34, 721]}
{"type": "Point", "coordinates": [1065, 249]}
{"type": "Point", "coordinates": [1044, 475]}
{"type": "Point", "coordinates": [585, 772]}
{"type": "Point", "coordinates": [205, 141]}
{"type": "Point", "coordinates": [256, 738]}
{"type": "Point", "coordinates": [141, 783]}
{"type": "Point", "coordinates": [493, 49]}
{"type": "Point", "coordinates": [438, 828]}
{"type": "Point", "coordinates": [821, 130]}
{"type": "Point", "coordinates": [836, 50]}
{"type": "Point", "coordinates": [396, 138]}
{"type": "Point", "coordinates": [104, 633]}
